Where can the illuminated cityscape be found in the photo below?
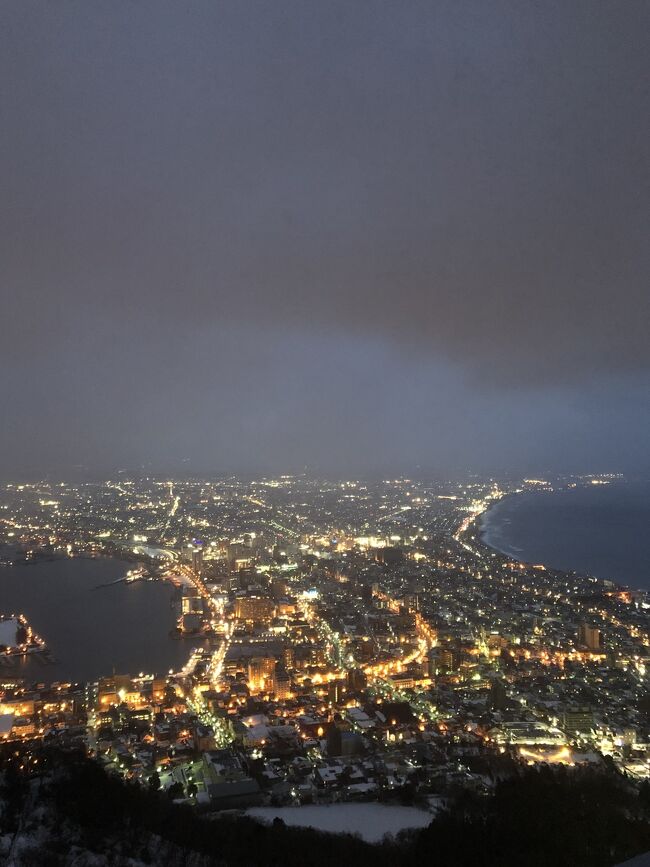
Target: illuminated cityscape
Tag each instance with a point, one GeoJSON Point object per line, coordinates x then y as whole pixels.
{"type": "Point", "coordinates": [324, 467]}
{"type": "Point", "coordinates": [356, 640]}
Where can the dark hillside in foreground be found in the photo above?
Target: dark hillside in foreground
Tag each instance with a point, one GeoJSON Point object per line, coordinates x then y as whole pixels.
{"type": "Point", "coordinates": [61, 809]}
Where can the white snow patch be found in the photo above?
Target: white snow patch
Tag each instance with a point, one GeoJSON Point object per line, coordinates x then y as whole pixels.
{"type": "Point", "coordinates": [370, 821]}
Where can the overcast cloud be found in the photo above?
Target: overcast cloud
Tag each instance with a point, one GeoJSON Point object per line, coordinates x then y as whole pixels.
{"type": "Point", "coordinates": [351, 236]}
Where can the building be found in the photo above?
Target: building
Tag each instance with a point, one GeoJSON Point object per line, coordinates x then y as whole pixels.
{"type": "Point", "coordinates": [192, 602]}
{"type": "Point", "coordinates": [403, 680]}
{"type": "Point", "coordinates": [203, 738]}
{"type": "Point", "coordinates": [261, 670]}
{"type": "Point", "coordinates": [389, 556]}
{"type": "Point", "coordinates": [222, 766]}
{"type": "Point", "coordinates": [412, 602]}
{"type": "Point", "coordinates": [444, 659]}
{"type": "Point", "coordinates": [357, 679]}
{"type": "Point", "coordinates": [281, 683]}
{"type": "Point", "coordinates": [589, 637]}
{"type": "Point", "coordinates": [158, 687]}
{"type": "Point", "coordinates": [279, 587]}
{"type": "Point", "coordinates": [580, 719]}
{"type": "Point", "coordinates": [235, 795]}
{"type": "Point", "coordinates": [113, 690]}
{"type": "Point", "coordinates": [498, 696]}
{"type": "Point", "coordinates": [254, 608]}
{"type": "Point", "coordinates": [191, 622]}
{"type": "Point", "coordinates": [288, 657]}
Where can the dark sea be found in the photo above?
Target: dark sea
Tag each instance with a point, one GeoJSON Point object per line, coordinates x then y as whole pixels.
{"type": "Point", "coordinates": [91, 630]}
{"type": "Point", "coordinates": [600, 530]}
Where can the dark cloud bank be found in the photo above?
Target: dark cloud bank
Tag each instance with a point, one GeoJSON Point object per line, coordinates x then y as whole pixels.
{"type": "Point", "coordinates": [345, 235]}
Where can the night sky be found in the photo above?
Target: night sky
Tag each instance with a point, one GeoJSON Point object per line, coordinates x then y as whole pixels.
{"type": "Point", "coordinates": [357, 237]}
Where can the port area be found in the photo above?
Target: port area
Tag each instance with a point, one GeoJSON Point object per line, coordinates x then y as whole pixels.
{"type": "Point", "coordinates": [17, 638]}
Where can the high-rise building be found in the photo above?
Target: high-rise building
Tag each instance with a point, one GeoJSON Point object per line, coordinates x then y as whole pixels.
{"type": "Point", "coordinates": [279, 587]}
{"type": "Point", "coordinates": [411, 602]}
{"type": "Point", "coordinates": [192, 602]}
{"type": "Point", "coordinates": [357, 679]}
{"type": "Point", "coordinates": [260, 673]}
{"type": "Point", "coordinates": [498, 696]}
{"type": "Point", "coordinates": [197, 559]}
{"type": "Point", "coordinates": [580, 719]}
{"type": "Point", "coordinates": [589, 637]}
{"type": "Point", "coordinates": [281, 683]}
{"type": "Point", "coordinates": [334, 741]}
{"type": "Point", "coordinates": [444, 659]}
{"type": "Point", "coordinates": [238, 553]}
{"type": "Point", "coordinates": [389, 556]}
{"type": "Point", "coordinates": [288, 657]}
{"type": "Point", "coordinates": [254, 608]}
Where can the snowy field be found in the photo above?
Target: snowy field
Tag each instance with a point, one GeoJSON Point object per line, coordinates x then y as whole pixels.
{"type": "Point", "coordinates": [370, 821]}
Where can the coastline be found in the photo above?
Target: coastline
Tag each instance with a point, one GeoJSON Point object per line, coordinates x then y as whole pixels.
{"type": "Point", "coordinates": [575, 531]}
{"type": "Point", "coordinates": [483, 527]}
